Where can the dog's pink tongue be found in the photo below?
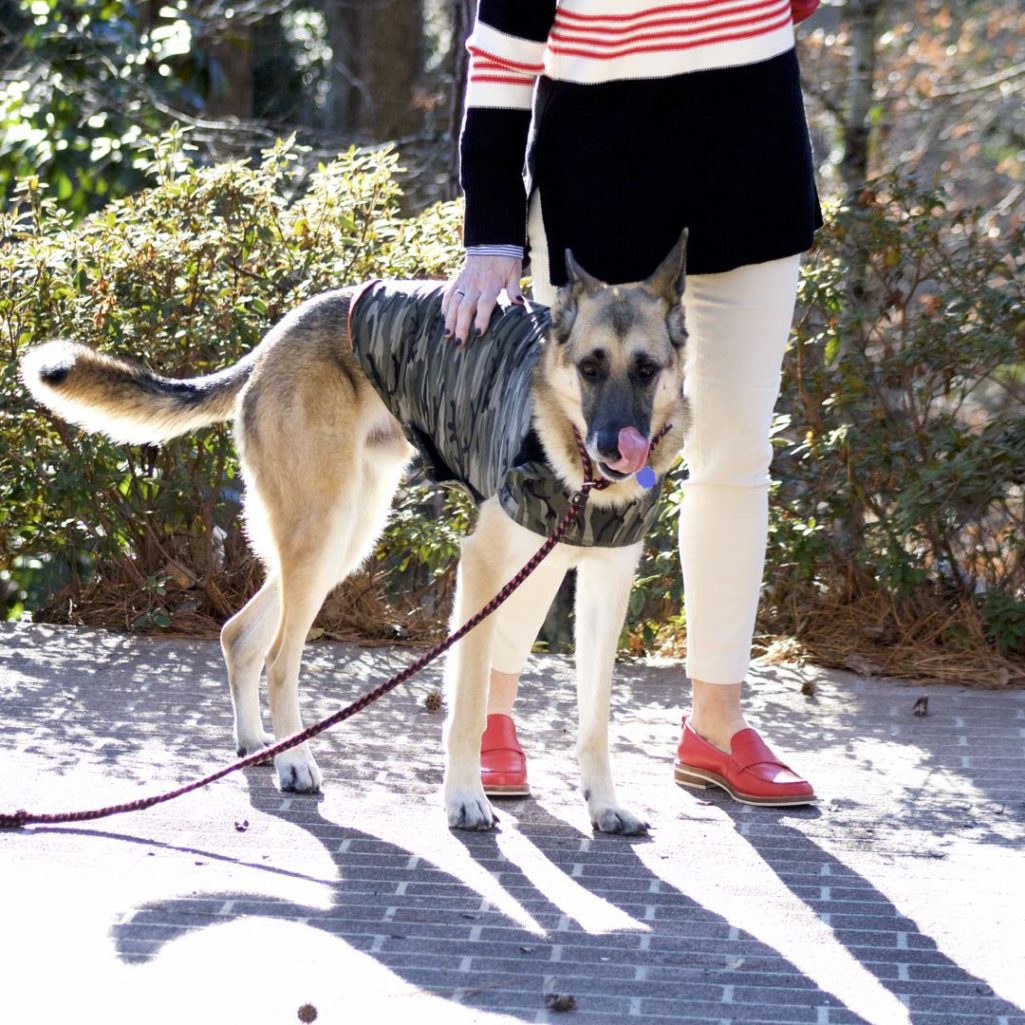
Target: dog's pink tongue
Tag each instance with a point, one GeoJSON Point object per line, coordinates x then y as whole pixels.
{"type": "Point", "coordinates": [633, 451]}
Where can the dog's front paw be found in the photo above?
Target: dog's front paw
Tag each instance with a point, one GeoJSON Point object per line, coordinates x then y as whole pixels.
{"type": "Point", "coordinates": [611, 819]}
{"type": "Point", "coordinates": [251, 745]}
{"type": "Point", "coordinates": [469, 810]}
{"type": "Point", "coordinates": [297, 771]}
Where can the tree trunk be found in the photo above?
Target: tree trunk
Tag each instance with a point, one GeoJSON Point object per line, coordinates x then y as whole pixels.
{"type": "Point", "coordinates": [343, 40]}
{"type": "Point", "coordinates": [378, 56]}
{"type": "Point", "coordinates": [459, 64]}
{"type": "Point", "coordinates": [232, 96]}
{"type": "Point", "coordinates": [393, 69]}
{"type": "Point", "coordinates": [864, 17]}
{"type": "Point", "coordinates": [864, 20]}
{"type": "Point", "coordinates": [230, 46]}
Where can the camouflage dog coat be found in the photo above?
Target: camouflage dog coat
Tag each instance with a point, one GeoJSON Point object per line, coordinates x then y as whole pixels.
{"type": "Point", "coordinates": [468, 411]}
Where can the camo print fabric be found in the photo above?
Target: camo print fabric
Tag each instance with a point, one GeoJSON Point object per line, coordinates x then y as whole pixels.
{"type": "Point", "coordinates": [535, 498]}
{"type": "Point", "coordinates": [468, 411]}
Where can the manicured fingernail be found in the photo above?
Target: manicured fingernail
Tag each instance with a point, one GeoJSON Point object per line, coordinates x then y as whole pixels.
{"type": "Point", "coordinates": [447, 334]}
{"type": "Point", "coordinates": [460, 343]}
{"type": "Point", "coordinates": [519, 300]}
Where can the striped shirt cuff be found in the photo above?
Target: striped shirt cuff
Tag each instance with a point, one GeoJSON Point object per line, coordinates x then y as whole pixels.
{"type": "Point", "coordinates": [514, 251]}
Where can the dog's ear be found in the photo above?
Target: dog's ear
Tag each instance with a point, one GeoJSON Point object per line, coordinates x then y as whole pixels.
{"type": "Point", "coordinates": [668, 280]}
{"type": "Point", "coordinates": [676, 326]}
{"type": "Point", "coordinates": [564, 313]}
{"type": "Point", "coordinates": [667, 283]}
{"type": "Point", "coordinates": [564, 309]}
{"type": "Point", "coordinates": [579, 279]}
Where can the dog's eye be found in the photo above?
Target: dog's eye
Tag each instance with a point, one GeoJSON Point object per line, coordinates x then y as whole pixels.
{"type": "Point", "coordinates": [590, 369]}
{"type": "Point", "coordinates": [646, 370]}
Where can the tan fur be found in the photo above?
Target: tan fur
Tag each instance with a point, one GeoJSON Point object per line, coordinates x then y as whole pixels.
{"type": "Point", "coordinates": [322, 456]}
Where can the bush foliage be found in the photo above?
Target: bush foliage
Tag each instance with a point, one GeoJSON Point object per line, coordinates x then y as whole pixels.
{"type": "Point", "coordinates": [898, 526]}
{"type": "Point", "coordinates": [902, 454]}
{"type": "Point", "coordinates": [186, 276]}
{"type": "Point", "coordinates": [85, 82]}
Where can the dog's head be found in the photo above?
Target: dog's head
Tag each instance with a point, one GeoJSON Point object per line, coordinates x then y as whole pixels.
{"type": "Point", "coordinates": [614, 365]}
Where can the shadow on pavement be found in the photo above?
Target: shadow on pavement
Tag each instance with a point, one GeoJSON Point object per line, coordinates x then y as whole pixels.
{"type": "Point", "coordinates": [423, 924]}
{"type": "Point", "coordinates": [917, 973]}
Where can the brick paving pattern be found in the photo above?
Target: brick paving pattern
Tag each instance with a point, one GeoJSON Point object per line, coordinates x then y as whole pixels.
{"type": "Point", "coordinates": [899, 899]}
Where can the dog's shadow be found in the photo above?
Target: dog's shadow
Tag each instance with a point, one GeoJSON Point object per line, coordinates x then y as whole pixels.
{"type": "Point", "coordinates": [578, 913]}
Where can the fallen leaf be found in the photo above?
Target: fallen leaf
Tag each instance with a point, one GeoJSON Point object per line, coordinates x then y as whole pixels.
{"type": "Point", "coordinates": [560, 1001]}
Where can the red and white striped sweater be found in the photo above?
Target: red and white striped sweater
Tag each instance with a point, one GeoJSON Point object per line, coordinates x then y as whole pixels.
{"type": "Point", "coordinates": [593, 41]}
{"type": "Point", "coordinates": [607, 44]}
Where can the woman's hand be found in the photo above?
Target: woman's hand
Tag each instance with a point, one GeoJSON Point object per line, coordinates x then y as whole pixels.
{"type": "Point", "coordinates": [470, 299]}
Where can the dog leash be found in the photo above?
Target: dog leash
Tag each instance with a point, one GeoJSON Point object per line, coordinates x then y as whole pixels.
{"type": "Point", "coordinates": [20, 818]}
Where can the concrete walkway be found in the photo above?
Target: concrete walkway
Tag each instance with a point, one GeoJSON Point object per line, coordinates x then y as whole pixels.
{"type": "Point", "coordinates": [899, 899]}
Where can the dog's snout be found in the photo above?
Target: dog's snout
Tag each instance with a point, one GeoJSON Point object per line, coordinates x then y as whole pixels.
{"type": "Point", "coordinates": [624, 451]}
{"type": "Point", "coordinates": [607, 444]}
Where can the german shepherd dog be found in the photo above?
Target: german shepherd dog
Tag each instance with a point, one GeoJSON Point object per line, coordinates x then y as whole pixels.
{"type": "Point", "coordinates": [322, 456]}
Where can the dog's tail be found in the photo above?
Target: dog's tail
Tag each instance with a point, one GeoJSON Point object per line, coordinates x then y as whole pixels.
{"type": "Point", "coordinates": [125, 401]}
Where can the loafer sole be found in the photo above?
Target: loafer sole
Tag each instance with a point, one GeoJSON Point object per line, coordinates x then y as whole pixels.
{"type": "Point", "coordinates": [506, 789]}
{"type": "Point", "coordinates": [701, 779]}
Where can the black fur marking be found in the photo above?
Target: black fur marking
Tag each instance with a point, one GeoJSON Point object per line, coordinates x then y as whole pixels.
{"type": "Point", "coordinates": [184, 391]}
{"type": "Point", "coordinates": [54, 375]}
{"type": "Point", "coordinates": [621, 315]}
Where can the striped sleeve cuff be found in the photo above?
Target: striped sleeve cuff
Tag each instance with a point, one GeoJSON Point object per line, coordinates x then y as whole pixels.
{"type": "Point", "coordinates": [514, 251]}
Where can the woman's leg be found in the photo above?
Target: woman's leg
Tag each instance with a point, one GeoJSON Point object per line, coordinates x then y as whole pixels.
{"type": "Point", "coordinates": [503, 765]}
{"type": "Point", "coordinates": [738, 324]}
{"type": "Point", "coordinates": [511, 651]}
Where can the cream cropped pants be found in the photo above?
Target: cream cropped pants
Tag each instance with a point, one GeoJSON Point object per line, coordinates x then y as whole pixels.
{"type": "Point", "coordinates": [738, 323]}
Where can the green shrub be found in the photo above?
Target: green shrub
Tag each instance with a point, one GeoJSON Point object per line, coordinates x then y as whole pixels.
{"type": "Point", "coordinates": [901, 459]}
{"type": "Point", "coordinates": [185, 276]}
{"type": "Point", "coordinates": [897, 534]}
{"type": "Point", "coordinates": [84, 81]}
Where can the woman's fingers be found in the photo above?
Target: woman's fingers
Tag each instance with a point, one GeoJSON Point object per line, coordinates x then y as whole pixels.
{"type": "Point", "coordinates": [470, 299]}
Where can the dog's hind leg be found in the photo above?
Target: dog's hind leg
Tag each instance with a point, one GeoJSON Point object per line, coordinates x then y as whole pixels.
{"type": "Point", "coordinates": [320, 548]}
{"type": "Point", "coordinates": [604, 576]}
{"type": "Point", "coordinates": [306, 578]}
{"type": "Point", "coordinates": [245, 639]}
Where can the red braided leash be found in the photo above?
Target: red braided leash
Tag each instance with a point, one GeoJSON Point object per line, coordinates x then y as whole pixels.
{"type": "Point", "coordinates": [17, 819]}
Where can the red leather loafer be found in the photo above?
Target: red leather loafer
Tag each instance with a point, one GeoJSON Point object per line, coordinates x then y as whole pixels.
{"type": "Point", "coordinates": [750, 773]}
{"type": "Point", "coordinates": [503, 765]}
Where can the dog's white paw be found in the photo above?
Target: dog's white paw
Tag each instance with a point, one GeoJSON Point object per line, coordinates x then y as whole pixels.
{"type": "Point", "coordinates": [297, 771]}
{"type": "Point", "coordinates": [612, 819]}
{"type": "Point", "coordinates": [252, 744]}
{"type": "Point", "coordinates": [469, 810]}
